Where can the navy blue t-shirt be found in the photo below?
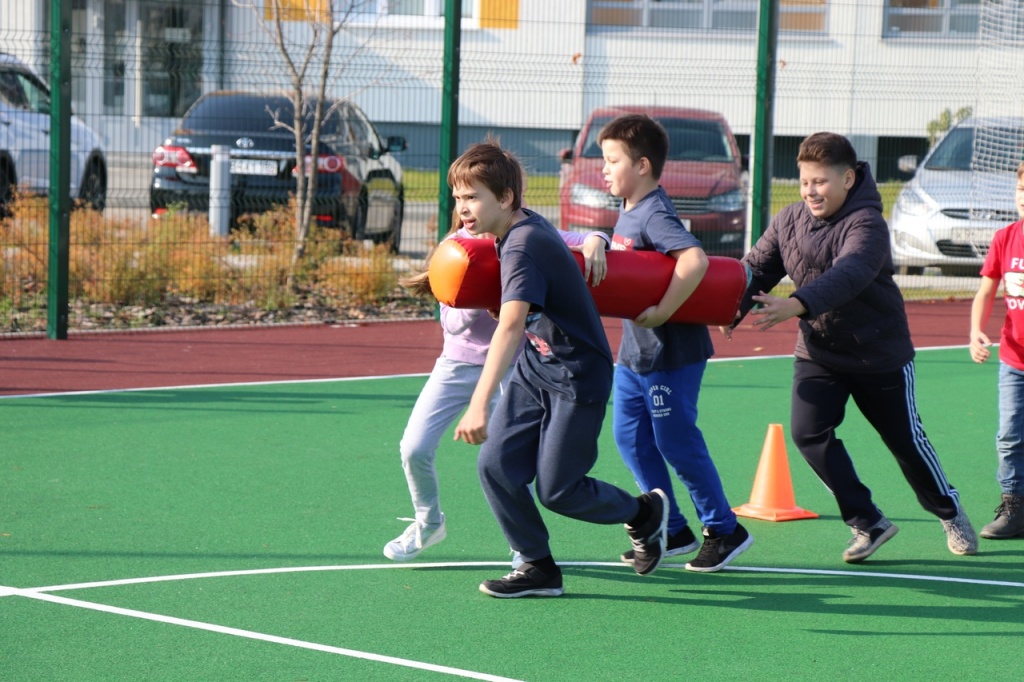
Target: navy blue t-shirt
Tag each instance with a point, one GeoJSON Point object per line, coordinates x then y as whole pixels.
{"type": "Point", "coordinates": [567, 350]}
{"type": "Point", "coordinates": [653, 225]}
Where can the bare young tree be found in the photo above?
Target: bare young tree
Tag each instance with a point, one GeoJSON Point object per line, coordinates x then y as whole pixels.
{"type": "Point", "coordinates": [308, 62]}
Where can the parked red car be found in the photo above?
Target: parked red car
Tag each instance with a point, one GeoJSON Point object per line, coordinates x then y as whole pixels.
{"type": "Point", "coordinates": [703, 177]}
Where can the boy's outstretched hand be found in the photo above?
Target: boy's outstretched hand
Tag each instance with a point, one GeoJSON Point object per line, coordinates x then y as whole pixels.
{"type": "Point", "coordinates": [774, 310]}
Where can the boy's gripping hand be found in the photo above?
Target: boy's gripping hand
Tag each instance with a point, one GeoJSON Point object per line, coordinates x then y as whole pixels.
{"type": "Point", "coordinates": [595, 263]}
{"type": "Point", "coordinates": [979, 347]}
{"type": "Point", "coordinates": [727, 331]}
{"type": "Point", "coordinates": [651, 318]}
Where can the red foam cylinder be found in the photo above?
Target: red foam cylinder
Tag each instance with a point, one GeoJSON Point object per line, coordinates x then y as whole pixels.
{"type": "Point", "coordinates": [465, 273]}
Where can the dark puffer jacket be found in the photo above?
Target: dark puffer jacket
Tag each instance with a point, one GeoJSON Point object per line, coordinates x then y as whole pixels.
{"type": "Point", "coordinates": [842, 269]}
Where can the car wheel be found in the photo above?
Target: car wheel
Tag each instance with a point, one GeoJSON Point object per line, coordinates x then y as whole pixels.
{"type": "Point", "coordinates": [5, 192]}
{"type": "Point", "coordinates": [394, 236]}
{"type": "Point", "coordinates": [93, 191]}
{"type": "Point", "coordinates": [910, 270]}
{"type": "Point", "coordinates": [357, 222]}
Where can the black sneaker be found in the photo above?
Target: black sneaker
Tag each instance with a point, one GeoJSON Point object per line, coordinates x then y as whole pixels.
{"type": "Point", "coordinates": [525, 581]}
{"type": "Point", "coordinates": [719, 550]}
{"type": "Point", "coordinates": [682, 542]}
{"type": "Point", "coordinates": [649, 539]}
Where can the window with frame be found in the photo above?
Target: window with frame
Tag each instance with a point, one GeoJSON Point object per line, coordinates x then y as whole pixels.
{"type": "Point", "coordinates": [920, 18]}
{"type": "Point", "coordinates": [404, 11]}
{"type": "Point", "coordinates": [795, 16]}
{"type": "Point", "coordinates": [172, 54]}
{"type": "Point", "coordinates": [12, 94]}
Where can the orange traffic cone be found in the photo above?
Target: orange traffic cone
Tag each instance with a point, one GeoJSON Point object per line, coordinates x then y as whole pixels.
{"type": "Point", "coordinates": [772, 497]}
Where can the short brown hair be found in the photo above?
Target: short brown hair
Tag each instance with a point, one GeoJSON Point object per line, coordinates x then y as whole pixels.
{"type": "Point", "coordinates": [496, 168]}
{"type": "Point", "coordinates": [1020, 170]}
{"type": "Point", "coordinates": [642, 137]}
{"type": "Point", "coordinates": [829, 149]}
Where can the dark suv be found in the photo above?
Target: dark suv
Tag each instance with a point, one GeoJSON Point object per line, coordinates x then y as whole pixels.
{"type": "Point", "coordinates": [703, 177]}
{"type": "Point", "coordinates": [359, 182]}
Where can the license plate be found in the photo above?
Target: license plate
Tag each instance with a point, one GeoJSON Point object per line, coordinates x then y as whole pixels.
{"type": "Point", "coordinates": [971, 235]}
{"type": "Point", "coordinates": [252, 167]}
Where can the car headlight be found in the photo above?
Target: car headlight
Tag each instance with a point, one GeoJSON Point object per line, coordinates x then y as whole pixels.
{"type": "Point", "coordinates": [911, 202]}
{"type": "Point", "coordinates": [591, 197]}
{"type": "Point", "coordinates": [730, 201]}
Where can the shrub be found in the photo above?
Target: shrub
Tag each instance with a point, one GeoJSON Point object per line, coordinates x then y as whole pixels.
{"type": "Point", "coordinates": [172, 259]}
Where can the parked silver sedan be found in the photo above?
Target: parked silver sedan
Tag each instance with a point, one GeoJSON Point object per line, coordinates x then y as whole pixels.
{"type": "Point", "coordinates": [961, 193]}
{"type": "Point", "coordinates": [25, 141]}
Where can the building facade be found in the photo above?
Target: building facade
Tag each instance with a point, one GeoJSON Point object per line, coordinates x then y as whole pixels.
{"type": "Point", "coordinates": [878, 71]}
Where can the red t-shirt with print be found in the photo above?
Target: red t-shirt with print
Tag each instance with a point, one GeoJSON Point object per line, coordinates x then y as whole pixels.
{"type": "Point", "coordinates": [1005, 262]}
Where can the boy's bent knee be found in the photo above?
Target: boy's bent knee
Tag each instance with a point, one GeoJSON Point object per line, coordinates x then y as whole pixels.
{"type": "Point", "coordinates": [560, 501]}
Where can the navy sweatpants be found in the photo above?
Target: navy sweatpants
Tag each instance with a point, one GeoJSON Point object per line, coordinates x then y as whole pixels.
{"type": "Point", "coordinates": [887, 400]}
{"type": "Point", "coordinates": [536, 435]}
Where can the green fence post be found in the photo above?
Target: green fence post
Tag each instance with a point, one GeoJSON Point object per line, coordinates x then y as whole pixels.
{"type": "Point", "coordinates": [449, 111]}
{"type": "Point", "coordinates": [763, 142]}
{"type": "Point", "coordinates": [60, 169]}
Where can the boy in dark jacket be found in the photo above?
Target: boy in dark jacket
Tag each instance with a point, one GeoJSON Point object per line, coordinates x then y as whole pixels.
{"type": "Point", "coordinates": [854, 340]}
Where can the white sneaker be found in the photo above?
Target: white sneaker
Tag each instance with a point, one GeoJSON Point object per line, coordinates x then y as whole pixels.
{"type": "Point", "coordinates": [414, 540]}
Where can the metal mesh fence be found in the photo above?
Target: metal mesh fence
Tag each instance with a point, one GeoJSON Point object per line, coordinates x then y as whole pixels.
{"type": "Point", "coordinates": [160, 87]}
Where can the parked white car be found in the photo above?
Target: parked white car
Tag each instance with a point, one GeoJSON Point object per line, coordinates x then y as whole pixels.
{"type": "Point", "coordinates": [25, 141]}
{"type": "Point", "coordinates": [961, 193]}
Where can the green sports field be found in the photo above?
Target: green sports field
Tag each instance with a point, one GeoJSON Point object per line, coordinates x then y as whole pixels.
{"type": "Point", "coordinates": [235, 533]}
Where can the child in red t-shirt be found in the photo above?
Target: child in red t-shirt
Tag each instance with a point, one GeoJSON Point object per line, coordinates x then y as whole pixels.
{"type": "Point", "coordinates": [1005, 264]}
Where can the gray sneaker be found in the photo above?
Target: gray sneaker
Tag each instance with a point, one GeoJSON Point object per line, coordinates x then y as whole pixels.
{"type": "Point", "coordinates": [414, 540]}
{"type": "Point", "coordinates": [1009, 521]}
{"type": "Point", "coordinates": [960, 535]}
{"type": "Point", "coordinates": [865, 542]}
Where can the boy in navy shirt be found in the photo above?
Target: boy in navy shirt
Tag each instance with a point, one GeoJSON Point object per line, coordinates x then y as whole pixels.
{"type": "Point", "coordinates": [660, 366]}
{"type": "Point", "coordinates": [546, 424]}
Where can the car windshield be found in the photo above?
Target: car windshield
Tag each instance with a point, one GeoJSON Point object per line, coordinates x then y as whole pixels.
{"type": "Point", "coordinates": [983, 148]}
{"type": "Point", "coordinates": [243, 114]}
{"type": "Point", "coordinates": [689, 140]}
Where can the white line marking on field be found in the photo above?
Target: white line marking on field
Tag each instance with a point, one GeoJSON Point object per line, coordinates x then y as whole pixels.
{"type": "Point", "coordinates": [869, 574]}
{"type": "Point", "coordinates": [266, 571]}
{"type": "Point", "coordinates": [43, 594]}
{"type": "Point", "coordinates": [481, 564]}
{"type": "Point", "coordinates": [745, 358]}
{"type": "Point", "coordinates": [249, 634]}
{"type": "Point", "coordinates": [186, 387]}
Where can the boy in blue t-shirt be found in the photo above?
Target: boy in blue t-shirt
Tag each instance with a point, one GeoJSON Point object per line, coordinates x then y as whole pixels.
{"type": "Point", "coordinates": [660, 366]}
{"type": "Point", "coordinates": [546, 423]}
